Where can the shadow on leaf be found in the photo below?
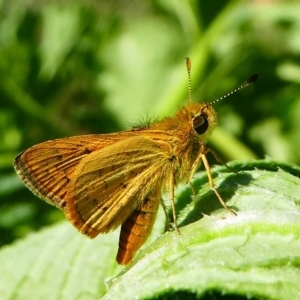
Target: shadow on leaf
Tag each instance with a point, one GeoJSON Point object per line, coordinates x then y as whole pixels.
{"type": "Point", "coordinates": [207, 203]}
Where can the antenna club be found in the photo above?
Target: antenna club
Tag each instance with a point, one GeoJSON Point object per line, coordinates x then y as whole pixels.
{"type": "Point", "coordinates": [188, 64]}
{"type": "Point", "coordinates": [252, 79]}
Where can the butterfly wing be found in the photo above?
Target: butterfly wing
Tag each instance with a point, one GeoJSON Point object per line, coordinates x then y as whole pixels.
{"type": "Point", "coordinates": [109, 184]}
{"type": "Point", "coordinates": [98, 180]}
{"type": "Point", "coordinates": [47, 168]}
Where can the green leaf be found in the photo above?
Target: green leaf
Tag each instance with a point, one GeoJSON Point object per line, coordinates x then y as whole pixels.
{"type": "Point", "coordinates": [57, 263]}
{"type": "Point", "coordinates": [254, 254]}
{"type": "Point", "coordinates": [60, 263]}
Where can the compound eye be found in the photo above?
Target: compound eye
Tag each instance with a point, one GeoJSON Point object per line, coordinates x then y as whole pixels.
{"type": "Point", "coordinates": [200, 124]}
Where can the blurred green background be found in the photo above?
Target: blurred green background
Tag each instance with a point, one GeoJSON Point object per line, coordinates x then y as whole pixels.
{"type": "Point", "coordinates": [77, 67]}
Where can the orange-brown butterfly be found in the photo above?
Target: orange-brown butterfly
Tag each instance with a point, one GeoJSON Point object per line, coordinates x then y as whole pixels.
{"type": "Point", "coordinates": [102, 181]}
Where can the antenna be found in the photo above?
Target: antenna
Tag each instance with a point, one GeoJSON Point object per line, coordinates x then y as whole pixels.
{"type": "Point", "coordinates": [189, 66]}
{"type": "Point", "coordinates": [249, 81]}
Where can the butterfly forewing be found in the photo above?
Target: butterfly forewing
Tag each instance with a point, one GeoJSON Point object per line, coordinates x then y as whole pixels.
{"type": "Point", "coordinates": [46, 168]}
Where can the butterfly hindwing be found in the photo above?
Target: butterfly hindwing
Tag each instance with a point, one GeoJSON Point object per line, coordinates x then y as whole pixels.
{"type": "Point", "coordinates": [108, 185]}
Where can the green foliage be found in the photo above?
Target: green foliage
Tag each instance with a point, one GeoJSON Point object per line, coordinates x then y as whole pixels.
{"type": "Point", "coordinates": [75, 67]}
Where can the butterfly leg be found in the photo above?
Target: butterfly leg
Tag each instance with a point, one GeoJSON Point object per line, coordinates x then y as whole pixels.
{"type": "Point", "coordinates": [172, 195]}
{"type": "Point", "coordinates": [219, 159]}
{"type": "Point", "coordinates": [202, 156]}
{"type": "Point", "coordinates": [193, 189]}
{"type": "Point", "coordinates": [136, 229]}
{"type": "Point", "coordinates": [166, 214]}
{"type": "Point", "coordinates": [211, 182]}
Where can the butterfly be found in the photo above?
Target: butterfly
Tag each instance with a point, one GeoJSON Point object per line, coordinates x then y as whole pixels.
{"type": "Point", "coordinates": [103, 181]}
